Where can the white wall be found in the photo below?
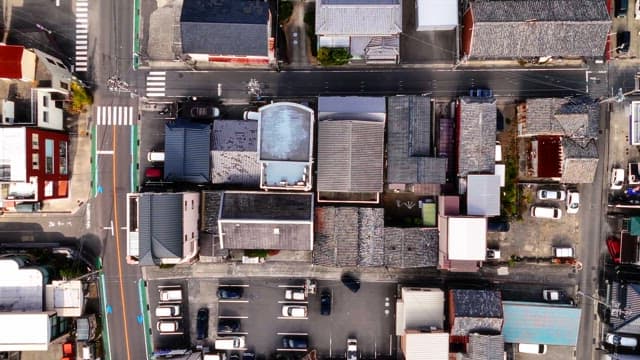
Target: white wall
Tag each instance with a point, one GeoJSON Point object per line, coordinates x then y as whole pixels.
{"type": "Point", "coordinates": [190, 225]}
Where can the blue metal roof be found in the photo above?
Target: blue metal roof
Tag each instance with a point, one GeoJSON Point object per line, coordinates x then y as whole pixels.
{"type": "Point", "coordinates": [187, 152]}
{"type": "Point", "coordinates": [540, 323]}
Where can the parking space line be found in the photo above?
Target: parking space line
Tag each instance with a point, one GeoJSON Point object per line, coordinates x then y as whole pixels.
{"type": "Point", "coordinates": [292, 318]}
{"type": "Point", "coordinates": [288, 333]}
{"type": "Point", "coordinates": [292, 302]}
{"type": "Point", "coordinates": [232, 317]}
{"type": "Point", "coordinates": [297, 350]}
{"type": "Point", "coordinates": [233, 301]}
{"type": "Point", "coordinates": [234, 333]}
{"type": "Point", "coordinates": [292, 286]}
{"type": "Point", "coordinates": [233, 285]}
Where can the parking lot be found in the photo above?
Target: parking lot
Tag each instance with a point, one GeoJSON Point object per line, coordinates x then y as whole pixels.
{"type": "Point", "coordinates": [368, 315]}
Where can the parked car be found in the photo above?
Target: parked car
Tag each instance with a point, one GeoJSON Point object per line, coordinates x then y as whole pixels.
{"type": "Point", "coordinates": [202, 323]}
{"type": "Point", "coordinates": [153, 173]}
{"type": "Point", "coordinates": [621, 7]}
{"type": "Point", "coordinates": [623, 41]}
{"type": "Point", "coordinates": [167, 326]}
{"type": "Point", "coordinates": [617, 179]}
{"type": "Point", "coordinates": [532, 348]}
{"type": "Point", "coordinates": [493, 254]}
{"type": "Point", "coordinates": [230, 343]}
{"type": "Point", "coordinates": [228, 325]}
{"type": "Point", "coordinates": [230, 293]}
{"type": "Point", "coordinates": [170, 295]}
{"type": "Point", "coordinates": [551, 295]}
{"type": "Point", "coordinates": [350, 281]}
{"type": "Point", "coordinates": [294, 342]}
{"type": "Point", "coordinates": [168, 311]}
{"type": "Point", "coordinates": [498, 224]}
{"type": "Point", "coordinates": [352, 349]}
{"type": "Point", "coordinates": [545, 194]}
{"type": "Point", "coordinates": [295, 294]}
{"type": "Point", "coordinates": [621, 340]}
{"type": "Point", "coordinates": [204, 112]}
{"type": "Point", "coordinates": [573, 202]}
{"type": "Point", "coordinates": [155, 156]}
{"type": "Point", "coordinates": [563, 252]}
{"type": "Point", "coordinates": [613, 245]}
{"type": "Point", "coordinates": [325, 302]}
{"type": "Point", "coordinates": [546, 212]}
{"type": "Point", "coordinates": [299, 311]}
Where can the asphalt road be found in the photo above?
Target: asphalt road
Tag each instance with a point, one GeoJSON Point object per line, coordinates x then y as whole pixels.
{"type": "Point", "coordinates": [438, 83]}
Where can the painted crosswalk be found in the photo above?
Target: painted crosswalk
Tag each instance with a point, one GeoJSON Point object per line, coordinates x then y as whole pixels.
{"type": "Point", "coordinates": [156, 82]}
{"type": "Point", "coordinates": [114, 115]}
{"type": "Point", "coordinates": [82, 33]}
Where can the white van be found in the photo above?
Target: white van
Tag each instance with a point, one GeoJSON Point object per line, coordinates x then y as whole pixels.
{"type": "Point", "coordinates": [230, 343]}
{"type": "Point", "coordinates": [532, 348]}
{"type": "Point", "coordinates": [155, 156]}
{"type": "Point", "coordinates": [167, 326]}
{"type": "Point", "coordinates": [546, 212]}
{"type": "Point", "coordinates": [170, 295]}
{"type": "Point", "coordinates": [168, 311]}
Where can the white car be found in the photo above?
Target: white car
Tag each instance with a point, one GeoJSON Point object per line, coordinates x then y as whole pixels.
{"type": "Point", "coordinates": [617, 179]}
{"type": "Point", "coordinates": [619, 340]}
{"type": "Point", "coordinates": [551, 195]}
{"type": "Point", "coordinates": [295, 294]}
{"type": "Point", "coordinates": [551, 295]}
{"type": "Point", "coordinates": [299, 311]}
{"type": "Point", "coordinates": [573, 202]}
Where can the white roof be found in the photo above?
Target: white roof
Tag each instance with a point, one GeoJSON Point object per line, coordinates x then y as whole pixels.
{"type": "Point", "coordinates": [20, 289]}
{"type": "Point", "coordinates": [440, 14]}
{"type": "Point", "coordinates": [419, 308]}
{"type": "Point", "coordinates": [467, 238]}
{"type": "Point", "coordinates": [24, 331]}
{"type": "Point", "coordinates": [635, 123]}
{"type": "Point", "coordinates": [426, 346]}
{"type": "Point", "coordinates": [501, 172]}
{"type": "Point", "coordinates": [65, 297]}
{"type": "Point", "coordinates": [13, 151]}
{"type": "Point", "coordinates": [483, 195]}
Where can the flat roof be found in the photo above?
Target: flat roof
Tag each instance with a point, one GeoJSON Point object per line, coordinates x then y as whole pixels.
{"type": "Point", "coordinates": [483, 195]}
{"type": "Point", "coordinates": [540, 323]}
{"type": "Point", "coordinates": [467, 238]}
{"type": "Point", "coordinates": [20, 289]}
{"type": "Point", "coordinates": [422, 307]}
{"type": "Point", "coordinates": [13, 143]}
{"type": "Point", "coordinates": [24, 331]}
{"type": "Point", "coordinates": [285, 132]}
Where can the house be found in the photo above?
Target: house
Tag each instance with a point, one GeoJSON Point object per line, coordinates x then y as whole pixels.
{"type": "Point", "coordinates": [187, 150]}
{"type": "Point", "coordinates": [350, 149]}
{"type": "Point", "coordinates": [625, 307]}
{"type": "Point", "coordinates": [236, 31]}
{"type": "Point", "coordinates": [541, 323]}
{"type": "Point", "coordinates": [420, 324]}
{"type": "Point", "coordinates": [370, 29]}
{"type": "Point", "coordinates": [410, 155]}
{"type": "Point", "coordinates": [483, 195]}
{"type": "Point", "coordinates": [436, 15]}
{"type": "Point", "coordinates": [563, 132]}
{"type": "Point", "coordinates": [485, 347]}
{"type": "Point", "coordinates": [472, 311]}
{"type": "Point", "coordinates": [477, 118]}
{"type": "Point", "coordinates": [34, 165]}
{"type": "Point", "coordinates": [515, 29]}
{"type": "Point", "coordinates": [162, 228]}
{"type": "Point", "coordinates": [234, 154]}
{"type": "Point", "coordinates": [35, 313]}
{"type": "Point", "coordinates": [266, 221]}
{"type": "Point", "coordinates": [285, 146]}
{"type": "Point", "coordinates": [410, 247]}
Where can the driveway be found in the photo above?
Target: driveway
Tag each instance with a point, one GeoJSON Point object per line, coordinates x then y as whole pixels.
{"type": "Point", "coordinates": [298, 44]}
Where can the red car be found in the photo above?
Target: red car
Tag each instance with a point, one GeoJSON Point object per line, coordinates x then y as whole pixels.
{"type": "Point", "coordinates": [613, 245]}
{"type": "Point", "coordinates": [153, 173]}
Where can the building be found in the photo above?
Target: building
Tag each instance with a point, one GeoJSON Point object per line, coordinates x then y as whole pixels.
{"type": "Point", "coordinates": [242, 31]}
{"type": "Point", "coordinates": [473, 311]}
{"type": "Point", "coordinates": [625, 307]}
{"type": "Point", "coordinates": [410, 144]}
{"type": "Point", "coordinates": [420, 324]}
{"type": "Point", "coordinates": [34, 165]}
{"type": "Point", "coordinates": [350, 149]}
{"type": "Point", "coordinates": [483, 195]}
{"type": "Point", "coordinates": [515, 29]}
{"type": "Point", "coordinates": [477, 118]}
{"type": "Point", "coordinates": [162, 228]}
{"type": "Point", "coordinates": [33, 312]}
{"type": "Point", "coordinates": [187, 151]}
{"type": "Point", "coordinates": [436, 15]}
{"type": "Point", "coordinates": [485, 347]}
{"type": "Point", "coordinates": [370, 29]}
{"type": "Point", "coordinates": [634, 125]}
{"type": "Point", "coordinates": [541, 323]}
{"type": "Point", "coordinates": [17, 63]}
{"type": "Point", "coordinates": [285, 146]}
{"type": "Point", "coordinates": [234, 154]}
{"type": "Point", "coordinates": [266, 221]}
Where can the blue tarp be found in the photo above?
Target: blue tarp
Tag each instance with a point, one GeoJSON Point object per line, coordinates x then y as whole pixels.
{"type": "Point", "coordinates": [540, 323]}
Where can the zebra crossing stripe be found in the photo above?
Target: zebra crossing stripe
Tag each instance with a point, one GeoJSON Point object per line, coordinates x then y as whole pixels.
{"type": "Point", "coordinates": [114, 115]}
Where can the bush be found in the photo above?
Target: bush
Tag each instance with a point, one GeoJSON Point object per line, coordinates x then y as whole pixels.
{"type": "Point", "coordinates": [256, 253]}
{"type": "Point", "coordinates": [80, 98]}
{"type": "Point", "coordinates": [284, 11]}
{"type": "Point", "coordinates": [333, 56]}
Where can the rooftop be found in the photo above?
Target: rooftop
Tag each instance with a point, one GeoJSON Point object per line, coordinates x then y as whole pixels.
{"type": "Point", "coordinates": [285, 132]}
{"type": "Point", "coordinates": [483, 195]}
{"type": "Point", "coordinates": [160, 226]}
{"type": "Point", "coordinates": [21, 289]}
{"type": "Point", "coordinates": [541, 323]}
{"type": "Point", "coordinates": [625, 300]}
{"type": "Point", "coordinates": [358, 17]}
{"type": "Point", "coordinates": [580, 162]}
{"type": "Point", "coordinates": [234, 158]}
{"type": "Point", "coordinates": [186, 148]}
{"type": "Point", "coordinates": [477, 135]}
{"type": "Point", "coordinates": [410, 247]}
{"type": "Point", "coordinates": [475, 311]}
{"type": "Point", "coordinates": [576, 118]}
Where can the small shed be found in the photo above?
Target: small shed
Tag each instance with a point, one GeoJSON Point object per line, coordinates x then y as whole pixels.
{"type": "Point", "coordinates": [483, 195]}
{"type": "Point", "coordinates": [436, 15]}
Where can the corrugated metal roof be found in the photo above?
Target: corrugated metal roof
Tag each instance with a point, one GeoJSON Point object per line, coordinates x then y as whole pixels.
{"type": "Point", "coordinates": [426, 346]}
{"type": "Point", "coordinates": [351, 108]}
{"type": "Point", "coordinates": [538, 323]}
{"type": "Point", "coordinates": [11, 61]}
{"type": "Point", "coordinates": [350, 156]}
{"type": "Point", "coordinates": [186, 148]}
{"type": "Point", "coordinates": [483, 195]}
{"type": "Point", "coordinates": [160, 224]}
{"type": "Point", "coordinates": [363, 18]}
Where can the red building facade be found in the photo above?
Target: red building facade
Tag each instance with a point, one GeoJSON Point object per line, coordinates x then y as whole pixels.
{"type": "Point", "coordinates": [48, 161]}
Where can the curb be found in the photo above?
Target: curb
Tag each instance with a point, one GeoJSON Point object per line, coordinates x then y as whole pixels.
{"type": "Point", "coordinates": [105, 317]}
{"type": "Point", "coordinates": [146, 322]}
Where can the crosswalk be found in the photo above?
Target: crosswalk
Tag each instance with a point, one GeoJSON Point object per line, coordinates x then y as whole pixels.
{"type": "Point", "coordinates": [114, 115]}
{"type": "Point", "coordinates": [82, 34]}
{"type": "Point", "coordinates": [156, 82]}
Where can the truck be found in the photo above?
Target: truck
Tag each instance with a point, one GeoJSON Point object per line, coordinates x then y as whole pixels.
{"type": "Point", "coordinates": [352, 349]}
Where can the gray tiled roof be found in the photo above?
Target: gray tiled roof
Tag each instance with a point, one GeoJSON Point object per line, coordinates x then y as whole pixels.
{"type": "Point", "coordinates": [476, 310]}
{"type": "Point", "coordinates": [160, 227]}
{"type": "Point", "coordinates": [350, 155]}
{"type": "Point", "coordinates": [409, 135]}
{"type": "Point", "coordinates": [625, 297]}
{"type": "Point", "coordinates": [580, 162]}
{"type": "Point", "coordinates": [362, 18]}
{"type": "Point", "coordinates": [534, 28]}
{"type": "Point", "coordinates": [255, 220]}
{"type": "Point", "coordinates": [234, 158]}
{"type": "Point", "coordinates": [186, 148]}
{"type": "Point", "coordinates": [485, 347]}
{"type": "Point", "coordinates": [576, 118]}
{"type": "Point", "coordinates": [235, 135]}
{"type": "Point", "coordinates": [351, 108]}
{"type": "Point", "coordinates": [225, 27]}
{"type": "Point", "coordinates": [477, 135]}
{"type": "Point", "coordinates": [410, 247]}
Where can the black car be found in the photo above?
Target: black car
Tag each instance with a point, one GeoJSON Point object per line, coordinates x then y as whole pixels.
{"type": "Point", "coordinates": [325, 303]}
{"type": "Point", "coordinates": [294, 342]}
{"type": "Point", "coordinates": [230, 293]}
{"type": "Point", "coordinates": [623, 41]}
{"type": "Point", "coordinates": [621, 7]}
{"type": "Point", "coordinates": [202, 323]}
{"type": "Point", "coordinates": [351, 282]}
{"type": "Point", "coordinates": [228, 325]}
